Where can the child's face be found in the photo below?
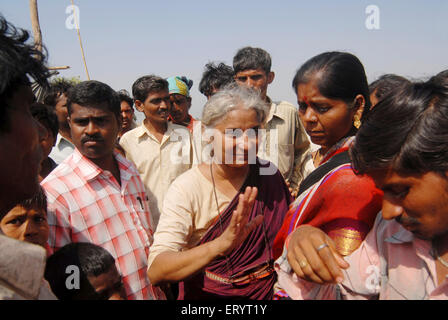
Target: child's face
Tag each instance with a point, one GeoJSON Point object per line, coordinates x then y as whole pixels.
{"type": "Point", "coordinates": [108, 285]}
{"type": "Point", "coordinates": [26, 225]}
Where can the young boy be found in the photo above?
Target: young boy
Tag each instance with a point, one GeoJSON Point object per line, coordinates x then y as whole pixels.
{"type": "Point", "coordinates": [56, 98]}
{"type": "Point", "coordinates": [84, 271]}
{"type": "Point", "coordinates": [252, 67]}
{"type": "Point", "coordinates": [27, 221]}
{"type": "Point", "coordinates": [127, 113]}
{"type": "Point", "coordinates": [160, 150]}
{"type": "Point", "coordinates": [214, 78]}
{"type": "Point", "coordinates": [48, 119]}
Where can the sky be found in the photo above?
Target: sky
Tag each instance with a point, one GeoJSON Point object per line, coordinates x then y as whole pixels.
{"type": "Point", "coordinates": [124, 40]}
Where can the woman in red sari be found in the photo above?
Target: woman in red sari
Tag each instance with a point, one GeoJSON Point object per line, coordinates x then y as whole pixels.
{"type": "Point", "coordinates": [219, 219]}
{"type": "Point", "coordinates": [333, 96]}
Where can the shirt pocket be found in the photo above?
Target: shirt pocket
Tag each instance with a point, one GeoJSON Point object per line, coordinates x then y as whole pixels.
{"type": "Point", "coordinates": [141, 212]}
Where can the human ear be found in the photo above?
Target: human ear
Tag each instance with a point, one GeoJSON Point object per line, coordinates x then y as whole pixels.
{"type": "Point", "coordinates": [271, 76]}
{"type": "Point", "coordinates": [138, 105]}
{"type": "Point", "coordinates": [359, 105]}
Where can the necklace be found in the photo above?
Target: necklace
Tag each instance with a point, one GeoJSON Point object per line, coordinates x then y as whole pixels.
{"type": "Point", "coordinates": [268, 246]}
{"type": "Point", "coordinates": [229, 265]}
{"type": "Point", "coordinates": [440, 258]}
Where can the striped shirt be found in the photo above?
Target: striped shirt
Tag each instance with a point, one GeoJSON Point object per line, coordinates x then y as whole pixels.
{"type": "Point", "coordinates": [390, 264]}
{"type": "Point", "coordinates": [87, 204]}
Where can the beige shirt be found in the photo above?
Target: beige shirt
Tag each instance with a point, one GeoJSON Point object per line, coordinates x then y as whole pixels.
{"type": "Point", "coordinates": [22, 267]}
{"type": "Point", "coordinates": [187, 213]}
{"type": "Point", "coordinates": [158, 163]}
{"type": "Point", "coordinates": [290, 141]}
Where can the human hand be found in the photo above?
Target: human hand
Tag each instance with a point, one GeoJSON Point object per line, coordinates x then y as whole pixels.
{"type": "Point", "coordinates": [313, 256]}
{"type": "Point", "coordinates": [239, 226]}
{"type": "Point", "coordinates": [293, 191]}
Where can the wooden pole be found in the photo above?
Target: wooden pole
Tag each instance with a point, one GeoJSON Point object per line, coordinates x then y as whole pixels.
{"type": "Point", "coordinates": [35, 25]}
{"type": "Point", "coordinates": [59, 68]}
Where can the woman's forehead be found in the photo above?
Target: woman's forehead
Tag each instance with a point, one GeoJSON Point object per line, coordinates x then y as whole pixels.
{"type": "Point", "coordinates": [239, 117]}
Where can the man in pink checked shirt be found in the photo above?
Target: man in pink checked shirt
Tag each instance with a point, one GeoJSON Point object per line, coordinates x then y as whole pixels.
{"type": "Point", "coordinates": [403, 147]}
{"type": "Point", "coordinates": [96, 195]}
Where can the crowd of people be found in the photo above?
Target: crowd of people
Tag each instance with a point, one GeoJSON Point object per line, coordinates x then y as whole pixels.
{"type": "Point", "coordinates": [343, 197]}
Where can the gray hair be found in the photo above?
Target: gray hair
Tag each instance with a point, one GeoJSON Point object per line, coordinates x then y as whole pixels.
{"type": "Point", "coordinates": [230, 98]}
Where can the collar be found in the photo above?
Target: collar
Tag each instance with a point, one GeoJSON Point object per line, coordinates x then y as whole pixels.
{"type": "Point", "coordinates": [61, 140]}
{"type": "Point", "coordinates": [274, 111]}
{"type": "Point", "coordinates": [142, 130]}
{"type": "Point", "coordinates": [401, 236]}
{"type": "Point", "coordinates": [89, 170]}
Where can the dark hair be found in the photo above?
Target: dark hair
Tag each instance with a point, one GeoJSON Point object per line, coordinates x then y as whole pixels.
{"type": "Point", "coordinates": [57, 88]}
{"type": "Point", "coordinates": [407, 131]}
{"type": "Point", "coordinates": [38, 201]}
{"type": "Point", "coordinates": [18, 60]}
{"type": "Point", "coordinates": [340, 76]}
{"type": "Point", "coordinates": [123, 95]}
{"type": "Point", "coordinates": [385, 84]}
{"type": "Point", "coordinates": [441, 78]}
{"type": "Point", "coordinates": [146, 84]}
{"type": "Point", "coordinates": [187, 81]}
{"type": "Point", "coordinates": [91, 260]}
{"type": "Point", "coordinates": [249, 58]}
{"type": "Point", "coordinates": [92, 93]}
{"type": "Point", "coordinates": [215, 77]}
{"type": "Point", "coordinates": [46, 116]}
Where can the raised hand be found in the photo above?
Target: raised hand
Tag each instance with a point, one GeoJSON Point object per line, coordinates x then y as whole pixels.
{"type": "Point", "coordinates": [240, 226]}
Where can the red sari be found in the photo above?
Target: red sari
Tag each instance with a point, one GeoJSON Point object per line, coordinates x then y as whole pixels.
{"type": "Point", "coordinates": [342, 204]}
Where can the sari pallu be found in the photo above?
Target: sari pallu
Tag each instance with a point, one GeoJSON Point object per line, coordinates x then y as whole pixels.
{"type": "Point", "coordinates": [252, 261]}
{"type": "Point", "coordinates": [341, 203]}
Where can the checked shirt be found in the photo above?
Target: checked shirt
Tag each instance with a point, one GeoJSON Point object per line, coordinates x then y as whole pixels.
{"type": "Point", "coordinates": [86, 204]}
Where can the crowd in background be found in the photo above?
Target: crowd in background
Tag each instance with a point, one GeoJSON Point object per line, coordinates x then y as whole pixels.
{"type": "Point", "coordinates": [341, 195]}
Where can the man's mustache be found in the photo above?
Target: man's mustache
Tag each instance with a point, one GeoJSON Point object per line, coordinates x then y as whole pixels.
{"type": "Point", "coordinates": [407, 220]}
{"type": "Point", "coordinates": [95, 138]}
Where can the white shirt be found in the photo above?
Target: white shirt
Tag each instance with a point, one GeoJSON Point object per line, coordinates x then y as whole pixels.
{"type": "Point", "coordinates": [61, 150]}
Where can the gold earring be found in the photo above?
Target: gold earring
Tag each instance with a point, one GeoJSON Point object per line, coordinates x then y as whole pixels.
{"type": "Point", "coordinates": [357, 122]}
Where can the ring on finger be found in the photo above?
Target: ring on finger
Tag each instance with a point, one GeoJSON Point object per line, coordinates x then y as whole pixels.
{"type": "Point", "coordinates": [302, 264]}
{"type": "Point", "coordinates": [323, 245]}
